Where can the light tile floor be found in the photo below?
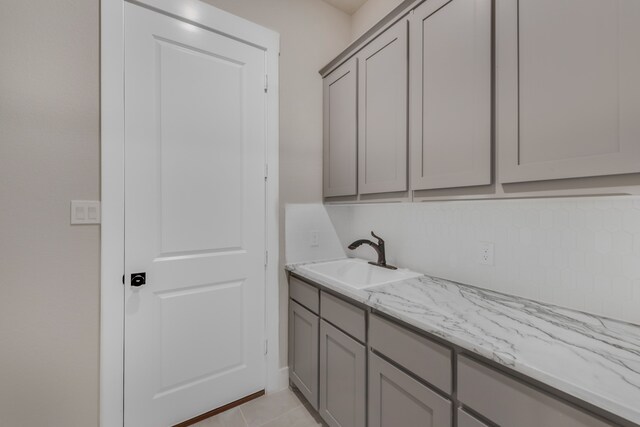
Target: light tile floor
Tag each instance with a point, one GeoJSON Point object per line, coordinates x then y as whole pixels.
{"type": "Point", "coordinates": [282, 409]}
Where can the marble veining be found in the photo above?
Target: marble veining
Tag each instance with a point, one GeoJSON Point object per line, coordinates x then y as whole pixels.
{"type": "Point", "coordinates": [592, 358]}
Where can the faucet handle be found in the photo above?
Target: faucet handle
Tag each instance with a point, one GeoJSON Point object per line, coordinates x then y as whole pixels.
{"type": "Point", "coordinates": [380, 241]}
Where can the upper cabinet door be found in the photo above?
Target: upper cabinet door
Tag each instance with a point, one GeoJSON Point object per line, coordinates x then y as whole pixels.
{"type": "Point", "coordinates": [382, 139]}
{"type": "Point", "coordinates": [340, 130]}
{"type": "Point", "coordinates": [568, 98]}
{"type": "Point", "coordinates": [451, 94]}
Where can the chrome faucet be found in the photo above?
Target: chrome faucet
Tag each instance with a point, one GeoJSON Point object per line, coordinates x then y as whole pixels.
{"type": "Point", "coordinates": [379, 248]}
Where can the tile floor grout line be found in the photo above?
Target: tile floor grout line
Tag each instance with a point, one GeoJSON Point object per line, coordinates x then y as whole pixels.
{"type": "Point", "coordinates": [281, 415]}
{"type": "Point", "coordinates": [246, 423]}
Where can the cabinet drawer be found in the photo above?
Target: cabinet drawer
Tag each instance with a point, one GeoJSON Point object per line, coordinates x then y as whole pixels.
{"type": "Point", "coordinates": [305, 294]}
{"type": "Point", "coordinates": [427, 359]}
{"type": "Point", "coordinates": [510, 402]}
{"type": "Point", "coordinates": [466, 420]}
{"type": "Point", "coordinates": [345, 316]}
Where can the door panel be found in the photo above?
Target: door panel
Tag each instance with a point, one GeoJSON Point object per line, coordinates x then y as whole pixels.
{"type": "Point", "coordinates": [451, 94]}
{"type": "Point", "coordinates": [340, 131]}
{"type": "Point", "coordinates": [199, 150]}
{"type": "Point", "coordinates": [182, 311]}
{"type": "Point", "coordinates": [194, 196]}
{"type": "Point", "coordinates": [382, 97]}
{"type": "Point", "coordinates": [568, 96]}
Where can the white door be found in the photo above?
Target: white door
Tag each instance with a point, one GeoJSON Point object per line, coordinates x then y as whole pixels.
{"type": "Point", "coordinates": [195, 219]}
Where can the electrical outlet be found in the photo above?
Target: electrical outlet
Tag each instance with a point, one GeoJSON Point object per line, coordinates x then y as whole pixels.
{"type": "Point", "coordinates": [314, 241]}
{"type": "Point", "coordinates": [486, 253]}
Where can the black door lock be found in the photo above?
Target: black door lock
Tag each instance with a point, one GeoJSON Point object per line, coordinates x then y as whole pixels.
{"type": "Point", "coordinates": [138, 279]}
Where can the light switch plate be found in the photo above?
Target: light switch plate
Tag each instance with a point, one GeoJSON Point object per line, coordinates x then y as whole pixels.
{"type": "Point", "coordinates": [85, 212]}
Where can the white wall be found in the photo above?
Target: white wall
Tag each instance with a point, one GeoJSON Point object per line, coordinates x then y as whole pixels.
{"type": "Point", "coordinates": [581, 253]}
{"type": "Point", "coordinates": [369, 14]}
{"type": "Point", "coordinates": [311, 34]}
{"type": "Point", "coordinates": [301, 221]}
{"type": "Point", "coordinates": [49, 271]}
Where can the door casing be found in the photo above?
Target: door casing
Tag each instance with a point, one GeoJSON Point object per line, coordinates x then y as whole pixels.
{"type": "Point", "coordinates": [112, 186]}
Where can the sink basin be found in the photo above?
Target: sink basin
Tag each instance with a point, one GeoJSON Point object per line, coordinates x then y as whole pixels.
{"type": "Point", "coordinates": [359, 274]}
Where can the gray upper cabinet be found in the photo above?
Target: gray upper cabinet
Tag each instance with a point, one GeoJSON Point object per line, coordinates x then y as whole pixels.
{"type": "Point", "coordinates": [303, 351]}
{"type": "Point", "coordinates": [450, 93]}
{"type": "Point", "coordinates": [343, 369]}
{"type": "Point", "coordinates": [382, 136]}
{"type": "Point", "coordinates": [396, 399]}
{"type": "Point", "coordinates": [340, 131]}
{"type": "Point", "coordinates": [568, 88]}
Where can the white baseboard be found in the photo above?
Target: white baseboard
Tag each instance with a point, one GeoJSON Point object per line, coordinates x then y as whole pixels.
{"type": "Point", "coordinates": [281, 382]}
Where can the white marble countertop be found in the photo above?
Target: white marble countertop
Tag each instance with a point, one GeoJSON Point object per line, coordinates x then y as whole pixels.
{"type": "Point", "coordinates": [591, 358]}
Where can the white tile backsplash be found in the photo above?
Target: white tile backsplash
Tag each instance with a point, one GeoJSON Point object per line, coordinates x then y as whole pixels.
{"type": "Point", "coordinates": [582, 253]}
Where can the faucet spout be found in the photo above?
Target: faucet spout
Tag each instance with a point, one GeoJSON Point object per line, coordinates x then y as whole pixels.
{"type": "Point", "coordinates": [378, 247]}
{"type": "Point", "coordinates": [359, 243]}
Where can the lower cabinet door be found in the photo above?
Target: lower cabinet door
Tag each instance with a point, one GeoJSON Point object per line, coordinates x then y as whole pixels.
{"type": "Point", "coordinates": [303, 351]}
{"type": "Point", "coordinates": [396, 399]}
{"type": "Point", "coordinates": [342, 378]}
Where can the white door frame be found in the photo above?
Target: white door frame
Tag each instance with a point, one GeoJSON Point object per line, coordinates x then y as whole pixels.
{"type": "Point", "coordinates": [112, 185]}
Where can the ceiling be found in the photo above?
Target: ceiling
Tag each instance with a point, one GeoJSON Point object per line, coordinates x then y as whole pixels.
{"type": "Point", "coordinates": [348, 6]}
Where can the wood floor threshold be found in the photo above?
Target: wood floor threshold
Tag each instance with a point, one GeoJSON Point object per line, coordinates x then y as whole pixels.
{"type": "Point", "coordinates": [220, 409]}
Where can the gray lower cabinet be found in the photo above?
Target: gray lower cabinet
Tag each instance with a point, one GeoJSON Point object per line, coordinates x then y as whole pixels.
{"type": "Point", "coordinates": [405, 378]}
{"type": "Point", "coordinates": [342, 378]}
{"type": "Point", "coordinates": [567, 96]}
{"type": "Point", "coordinates": [303, 351]}
{"type": "Point", "coordinates": [396, 399]}
{"type": "Point", "coordinates": [340, 131]}
{"type": "Point", "coordinates": [509, 402]}
{"type": "Point", "coordinates": [450, 87]}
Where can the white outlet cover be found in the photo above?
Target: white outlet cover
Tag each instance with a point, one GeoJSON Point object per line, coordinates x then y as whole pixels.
{"type": "Point", "coordinates": [485, 254]}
